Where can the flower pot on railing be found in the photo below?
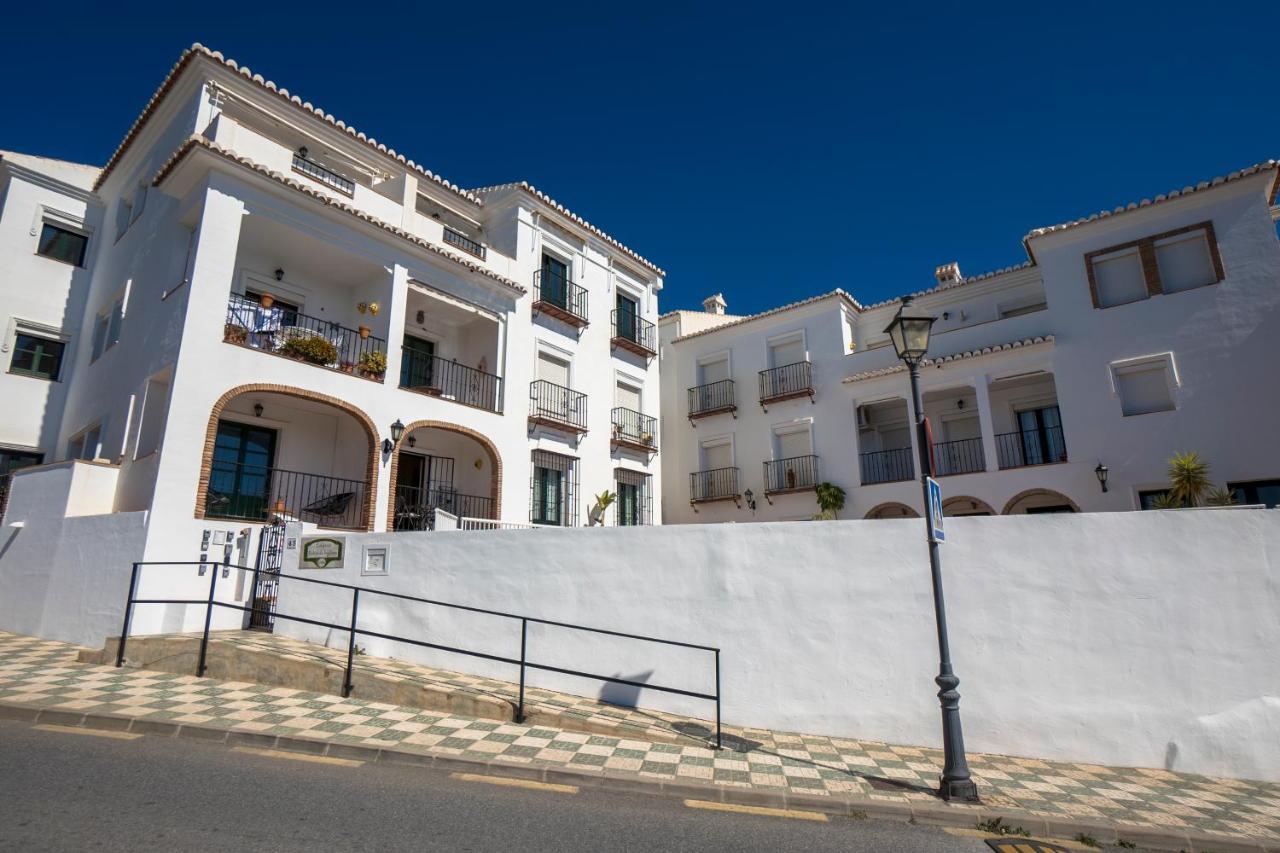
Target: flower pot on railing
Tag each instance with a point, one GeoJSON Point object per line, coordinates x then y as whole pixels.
{"type": "Point", "coordinates": [235, 334]}
{"type": "Point", "coordinates": [647, 439]}
{"type": "Point", "coordinates": [313, 350]}
{"type": "Point", "coordinates": [791, 478]}
{"type": "Point", "coordinates": [373, 365]}
{"type": "Point", "coordinates": [364, 332]}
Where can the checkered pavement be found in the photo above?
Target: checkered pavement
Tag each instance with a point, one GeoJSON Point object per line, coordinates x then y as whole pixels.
{"type": "Point", "coordinates": [47, 674]}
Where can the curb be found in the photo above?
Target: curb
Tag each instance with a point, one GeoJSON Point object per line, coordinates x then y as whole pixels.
{"type": "Point", "coordinates": [856, 808]}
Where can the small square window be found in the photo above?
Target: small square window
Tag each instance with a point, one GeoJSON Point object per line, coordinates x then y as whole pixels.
{"type": "Point", "coordinates": [1144, 388]}
{"type": "Point", "coordinates": [1119, 278]}
{"type": "Point", "coordinates": [37, 356]}
{"type": "Point", "coordinates": [62, 245]}
{"type": "Point", "coordinates": [1185, 262]}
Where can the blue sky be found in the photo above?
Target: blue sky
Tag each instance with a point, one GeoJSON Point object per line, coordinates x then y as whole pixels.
{"type": "Point", "coordinates": [769, 152]}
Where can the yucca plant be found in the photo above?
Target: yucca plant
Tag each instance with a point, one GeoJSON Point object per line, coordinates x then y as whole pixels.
{"type": "Point", "coordinates": [1188, 478]}
{"type": "Point", "coordinates": [1166, 501]}
{"type": "Point", "coordinates": [1221, 497]}
{"type": "Point", "coordinates": [830, 501]}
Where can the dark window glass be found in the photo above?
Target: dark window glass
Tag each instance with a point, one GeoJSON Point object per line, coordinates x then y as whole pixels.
{"type": "Point", "coordinates": [12, 460]}
{"type": "Point", "coordinates": [417, 365]}
{"type": "Point", "coordinates": [555, 281]}
{"type": "Point", "coordinates": [240, 479]}
{"type": "Point", "coordinates": [1258, 492]}
{"type": "Point", "coordinates": [1147, 499]}
{"type": "Point", "coordinates": [627, 310]}
{"type": "Point", "coordinates": [37, 356]}
{"type": "Point", "coordinates": [62, 245]}
{"type": "Point", "coordinates": [548, 496]}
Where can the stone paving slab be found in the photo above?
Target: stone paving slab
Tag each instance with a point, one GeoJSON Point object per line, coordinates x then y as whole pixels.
{"type": "Point", "coordinates": [1152, 807]}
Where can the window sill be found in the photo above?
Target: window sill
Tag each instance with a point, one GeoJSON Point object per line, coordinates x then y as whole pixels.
{"type": "Point", "coordinates": [29, 375]}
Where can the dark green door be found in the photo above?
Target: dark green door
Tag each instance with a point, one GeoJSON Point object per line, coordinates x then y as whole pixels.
{"type": "Point", "coordinates": [240, 480]}
{"type": "Point", "coordinates": [548, 496]}
{"type": "Point", "coordinates": [628, 504]}
{"type": "Point", "coordinates": [417, 366]}
{"type": "Point", "coordinates": [627, 310]}
{"type": "Point", "coordinates": [554, 287]}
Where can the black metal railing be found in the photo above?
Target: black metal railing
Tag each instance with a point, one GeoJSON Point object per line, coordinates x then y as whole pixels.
{"type": "Point", "coordinates": [963, 456]}
{"type": "Point", "coordinates": [633, 427]}
{"type": "Point", "coordinates": [711, 397]}
{"type": "Point", "coordinates": [255, 493]}
{"type": "Point", "coordinates": [310, 339]}
{"type": "Point", "coordinates": [1031, 447]}
{"type": "Point", "coordinates": [796, 472]}
{"type": "Point", "coordinates": [465, 243]}
{"type": "Point", "coordinates": [328, 177]}
{"type": "Point", "coordinates": [713, 484]}
{"type": "Point", "coordinates": [886, 466]}
{"type": "Point", "coordinates": [416, 506]}
{"type": "Point", "coordinates": [352, 629]}
{"type": "Point", "coordinates": [628, 326]}
{"type": "Point", "coordinates": [786, 381]}
{"type": "Point", "coordinates": [553, 402]}
{"type": "Point", "coordinates": [553, 289]}
{"type": "Point", "coordinates": [449, 380]}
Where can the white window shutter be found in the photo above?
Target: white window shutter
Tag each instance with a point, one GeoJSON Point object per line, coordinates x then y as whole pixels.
{"type": "Point", "coordinates": [1185, 262]}
{"type": "Point", "coordinates": [1119, 278]}
{"type": "Point", "coordinates": [1144, 390]}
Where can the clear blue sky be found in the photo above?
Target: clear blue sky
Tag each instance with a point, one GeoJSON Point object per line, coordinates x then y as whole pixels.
{"type": "Point", "coordinates": [771, 152]}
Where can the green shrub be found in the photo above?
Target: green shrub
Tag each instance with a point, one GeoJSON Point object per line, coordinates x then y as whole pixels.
{"type": "Point", "coordinates": [310, 350]}
{"type": "Point", "coordinates": [373, 362]}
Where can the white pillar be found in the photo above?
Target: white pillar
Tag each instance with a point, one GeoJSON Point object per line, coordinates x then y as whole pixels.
{"type": "Point", "coordinates": [985, 424]}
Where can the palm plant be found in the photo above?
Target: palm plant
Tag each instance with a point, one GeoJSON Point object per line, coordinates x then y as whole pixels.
{"type": "Point", "coordinates": [1166, 501]}
{"type": "Point", "coordinates": [1221, 497]}
{"type": "Point", "coordinates": [830, 500]}
{"type": "Point", "coordinates": [1188, 478]}
{"type": "Point", "coordinates": [603, 501]}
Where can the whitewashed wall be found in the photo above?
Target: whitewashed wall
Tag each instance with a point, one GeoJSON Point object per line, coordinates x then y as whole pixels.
{"type": "Point", "coordinates": [1122, 638]}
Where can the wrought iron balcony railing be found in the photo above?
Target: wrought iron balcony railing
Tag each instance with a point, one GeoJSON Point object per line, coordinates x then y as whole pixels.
{"type": "Point", "coordinates": [554, 294]}
{"type": "Point", "coordinates": [255, 493]}
{"type": "Point", "coordinates": [465, 243]}
{"type": "Point", "coordinates": [712, 398]}
{"type": "Point", "coordinates": [634, 333]}
{"type": "Point", "coordinates": [963, 456]}
{"type": "Point", "coordinates": [791, 474]}
{"type": "Point", "coordinates": [448, 380]}
{"type": "Point", "coordinates": [557, 405]}
{"type": "Point", "coordinates": [309, 339]}
{"type": "Point", "coordinates": [786, 382]}
{"type": "Point", "coordinates": [886, 466]}
{"type": "Point", "coordinates": [633, 429]}
{"type": "Point", "coordinates": [328, 177]}
{"type": "Point", "coordinates": [714, 484]}
{"type": "Point", "coordinates": [1031, 447]}
{"type": "Point", "coordinates": [416, 506]}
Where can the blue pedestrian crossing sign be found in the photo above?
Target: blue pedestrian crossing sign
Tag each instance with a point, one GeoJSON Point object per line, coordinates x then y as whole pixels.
{"type": "Point", "coordinates": [936, 531]}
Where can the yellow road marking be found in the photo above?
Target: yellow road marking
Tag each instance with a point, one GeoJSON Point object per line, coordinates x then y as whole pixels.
{"type": "Point", "coordinates": [757, 810]}
{"type": "Point", "coordinates": [515, 783]}
{"type": "Point", "coordinates": [1020, 846]}
{"type": "Point", "coordinates": [74, 730]}
{"type": "Point", "coordinates": [298, 756]}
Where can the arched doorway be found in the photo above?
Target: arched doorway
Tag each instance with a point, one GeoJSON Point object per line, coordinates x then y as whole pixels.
{"type": "Point", "coordinates": [274, 450]}
{"type": "Point", "coordinates": [892, 509]}
{"type": "Point", "coordinates": [1036, 501]}
{"type": "Point", "coordinates": [439, 465]}
{"type": "Point", "coordinates": [964, 505]}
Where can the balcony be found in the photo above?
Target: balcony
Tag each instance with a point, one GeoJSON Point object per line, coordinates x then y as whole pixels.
{"type": "Point", "coordinates": [557, 407]}
{"type": "Point", "coordinates": [634, 334]}
{"type": "Point", "coordinates": [311, 340]}
{"type": "Point", "coordinates": [712, 399]}
{"type": "Point", "coordinates": [886, 466]}
{"type": "Point", "coordinates": [795, 474]}
{"type": "Point", "coordinates": [716, 484]}
{"type": "Point", "coordinates": [465, 243]}
{"type": "Point", "coordinates": [449, 380]}
{"type": "Point", "coordinates": [416, 507]}
{"type": "Point", "coordinates": [1024, 448]}
{"type": "Point", "coordinates": [958, 457]}
{"type": "Point", "coordinates": [555, 295]}
{"type": "Point", "coordinates": [634, 431]}
{"type": "Point", "coordinates": [328, 177]}
{"type": "Point", "coordinates": [247, 492]}
{"type": "Point", "coordinates": [787, 382]}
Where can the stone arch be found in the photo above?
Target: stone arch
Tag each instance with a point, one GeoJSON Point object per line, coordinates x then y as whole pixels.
{"type": "Point", "coordinates": [495, 462]}
{"type": "Point", "coordinates": [1038, 493]}
{"type": "Point", "coordinates": [211, 436]}
{"type": "Point", "coordinates": [895, 510]}
{"type": "Point", "coordinates": [966, 503]}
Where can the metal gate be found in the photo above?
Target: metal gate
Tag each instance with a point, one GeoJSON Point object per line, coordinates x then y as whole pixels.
{"type": "Point", "coordinates": [266, 576]}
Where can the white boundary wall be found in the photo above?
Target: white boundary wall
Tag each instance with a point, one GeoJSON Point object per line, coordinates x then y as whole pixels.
{"type": "Point", "coordinates": [1143, 639]}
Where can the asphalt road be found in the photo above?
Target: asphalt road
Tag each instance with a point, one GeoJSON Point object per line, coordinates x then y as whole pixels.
{"type": "Point", "coordinates": [66, 790]}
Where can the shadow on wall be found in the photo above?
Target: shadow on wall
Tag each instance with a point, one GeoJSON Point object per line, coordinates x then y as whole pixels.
{"type": "Point", "coordinates": [624, 695]}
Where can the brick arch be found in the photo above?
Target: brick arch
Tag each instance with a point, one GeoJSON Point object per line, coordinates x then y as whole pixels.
{"type": "Point", "coordinates": [1034, 493]}
{"type": "Point", "coordinates": [211, 436]}
{"type": "Point", "coordinates": [495, 464]}
{"type": "Point", "coordinates": [905, 511]}
{"type": "Point", "coordinates": [975, 504]}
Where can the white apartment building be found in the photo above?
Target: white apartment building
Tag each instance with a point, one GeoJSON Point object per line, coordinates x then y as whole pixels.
{"type": "Point", "coordinates": [1125, 337]}
{"type": "Point", "coordinates": [254, 310]}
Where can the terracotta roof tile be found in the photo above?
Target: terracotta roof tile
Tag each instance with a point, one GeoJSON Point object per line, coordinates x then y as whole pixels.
{"type": "Point", "coordinates": [973, 279]}
{"type": "Point", "coordinates": [195, 142]}
{"type": "Point", "coordinates": [788, 307]}
{"type": "Point", "coordinates": [947, 359]}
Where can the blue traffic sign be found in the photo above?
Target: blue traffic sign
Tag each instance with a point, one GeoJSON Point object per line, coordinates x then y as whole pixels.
{"type": "Point", "coordinates": [936, 531]}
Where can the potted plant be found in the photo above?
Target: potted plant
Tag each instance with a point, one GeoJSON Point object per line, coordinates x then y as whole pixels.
{"type": "Point", "coordinates": [604, 500]}
{"type": "Point", "coordinates": [312, 350]}
{"type": "Point", "coordinates": [373, 365]}
{"type": "Point", "coordinates": [830, 500]}
{"type": "Point", "coordinates": [235, 334]}
{"type": "Point", "coordinates": [364, 332]}
{"type": "Point", "coordinates": [791, 478]}
{"type": "Point", "coordinates": [646, 438]}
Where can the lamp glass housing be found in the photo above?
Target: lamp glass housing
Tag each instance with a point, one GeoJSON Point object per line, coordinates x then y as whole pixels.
{"type": "Point", "coordinates": [397, 431]}
{"type": "Point", "coordinates": [910, 335]}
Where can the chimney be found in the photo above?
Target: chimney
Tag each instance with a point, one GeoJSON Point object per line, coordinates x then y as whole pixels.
{"type": "Point", "coordinates": [947, 273]}
{"type": "Point", "coordinates": [714, 304]}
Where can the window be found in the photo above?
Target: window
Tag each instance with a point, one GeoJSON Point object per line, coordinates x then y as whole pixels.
{"type": "Point", "coordinates": [62, 245]}
{"type": "Point", "coordinates": [717, 453]}
{"type": "Point", "coordinates": [1171, 262]}
{"type": "Point", "coordinates": [155, 406]}
{"type": "Point", "coordinates": [86, 444]}
{"type": "Point", "coordinates": [634, 503]}
{"type": "Point", "coordinates": [788, 351]}
{"type": "Point", "coordinates": [627, 396]}
{"type": "Point", "coordinates": [10, 461]}
{"type": "Point", "coordinates": [628, 310]}
{"type": "Point", "coordinates": [37, 356]}
{"type": "Point", "coordinates": [106, 329]}
{"type": "Point", "coordinates": [1257, 492]}
{"type": "Point", "coordinates": [1017, 310]}
{"type": "Point", "coordinates": [554, 287]}
{"type": "Point", "coordinates": [241, 472]}
{"type": "Point", "coordinates": [1144, 386]}
{"type": "Point", "coordinates": [553, 489]}
{"type": "Point", "coordinates": [1148, 498]}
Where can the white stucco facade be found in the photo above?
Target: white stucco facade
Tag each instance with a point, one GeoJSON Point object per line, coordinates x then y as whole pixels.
{"type": "Point", "coordinates": [1039, 374]}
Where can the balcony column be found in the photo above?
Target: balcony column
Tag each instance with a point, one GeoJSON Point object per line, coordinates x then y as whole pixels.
{"type": "Point", "coordinates": [986, 426]}
{"type": "Point", "coordinates": [396, 308]}
{"type": "Point", "coordinates": [915, 444]}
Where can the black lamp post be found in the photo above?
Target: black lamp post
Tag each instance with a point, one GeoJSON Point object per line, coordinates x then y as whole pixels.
{"type": "Point", "coordinates": [1101, 473]}
{"type": "Point", "coordinates": [909, 332]}
{"type": "Point", "coordinates": [397, 431]}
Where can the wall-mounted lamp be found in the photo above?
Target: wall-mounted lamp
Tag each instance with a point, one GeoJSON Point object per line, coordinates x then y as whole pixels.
{"type": "Point", "coordinates": [750, 497]}
{"type": "Point", "coordinates": [421, 317]}
{"type": "Point", "coordinates": [279, 274]}
{"type": "Point", "coordinates": [302, 151]}
{"type": "Point", "coordinates": [412, 442]}
{"type": "Point", "coordinates": [1101, 473]}
{"type": "Point", "coordinates": [257, 410]}
{"type": "Point", "coordinates": [397, 431]}
{"type": "Point", "coordinates": [960, 403]}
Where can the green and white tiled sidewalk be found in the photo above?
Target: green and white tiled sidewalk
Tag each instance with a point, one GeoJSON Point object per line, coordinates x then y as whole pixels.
{"type": "Point", "coordinates": [1136, 804]}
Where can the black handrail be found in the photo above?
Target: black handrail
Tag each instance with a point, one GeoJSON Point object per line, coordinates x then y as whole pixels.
{"type": "Point", "coordinates": [465, 243]}
{"type": "Point", "coordinates": [309, 339]}
{"type": "Point", "coordinates": [353, 630]}
{"type": "Point", "coordinates": [711, 397]}
{"type": "Point", "coordinates": [328, 177]}
{"type": "Point", "coordinates": [255, 493]}
{"type": "Point", "coordinates": [557, 403]}
{"type": "Point", "coordinates": [633, 427]}
{"type": "Point", "coordinates": [886, 466]}
{"type": "Point", "coordinates": [796, 472]}
{"type": "Point", "coordinates": [713, 484]}
{"type": "Point", "coordinates": [963, 456]}
{"type": "Point", "coordinates": [785, 381]}
{"type": "Point", "coordinates": [630, 326]}
{"type": "Point", "coordinates": [449, 380]}
{"type": "Point", "coordinates": [1028, 447]}
{"type": "Point", "coordinates": [552, 288]}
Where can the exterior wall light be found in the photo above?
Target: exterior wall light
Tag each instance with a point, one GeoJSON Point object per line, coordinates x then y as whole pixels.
{"type": "Point", "coordinates": [257, 410]}
{"type": "Point", "coordinates": [1101, 473]}
{"type": "Point", "coordinates": [279, 274]}
{"type": "Point", "coordinates": [397, 432]}
{"type": "Point", "coordinates": [750, 497]}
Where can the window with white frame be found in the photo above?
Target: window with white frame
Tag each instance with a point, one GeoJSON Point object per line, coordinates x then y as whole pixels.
{"type": "Point", "coordinates": [62, 243]}
{"type": "Point", "coordinates": [106, 328]}
{"type": "Point", "coordinates": [37, 351]}
{"type": "Point", "coordinates": [717, 478]}
{"type": "Point", "coordinates": [793, 465]}
{"type": "Point", "coordinates": [1118, 278]}
{"type": "Point", "coordinates": [155, 405]}
{"type": "Point", "coordinates": [1185, 262]}
{"type": "Point", "coordinates": [1171, 262]}
{"type": "Point", "coordinates": [1145, 385]}
{"type": "Point", "coordinates": [787, 350]}
{"type": "Point", "coordinates": [86, 444]}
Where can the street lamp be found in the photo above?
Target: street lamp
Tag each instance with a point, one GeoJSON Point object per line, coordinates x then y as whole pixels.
{"type": "Point", "coordinates": [1101, 473]}
{"type": "Point", "coordinates": [909, 332]}
{"type": "Point", "coordinates": [397, 430]}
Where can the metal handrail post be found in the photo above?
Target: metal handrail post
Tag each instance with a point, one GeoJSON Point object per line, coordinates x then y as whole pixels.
{"type": "Point", "coordinates": [524, 638]}
{"type": "Point", "coordinates": [719, 741]}
{"type": "Point", "coordinates": [351, 641]}
{"type": "Point", "coordinates": [128, 615]}
{"type": "Point", "coordinates": [208, 618]}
